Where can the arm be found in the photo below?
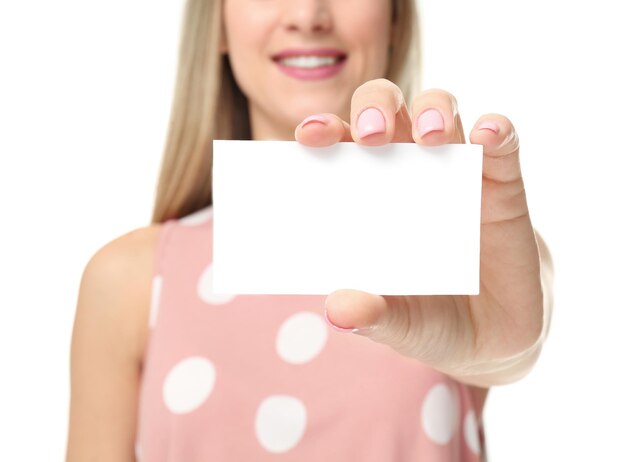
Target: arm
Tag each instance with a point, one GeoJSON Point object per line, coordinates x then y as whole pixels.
{"type": "Point", "coordinates": [110, 329]}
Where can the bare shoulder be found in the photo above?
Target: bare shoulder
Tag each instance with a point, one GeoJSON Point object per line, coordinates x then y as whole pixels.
{"type": "Point", "coordinates": [108, 340]}
{"type": "Point", "coordinates": [123, 255]}
{"type": "Point", "coordinates": [127, 248]}
{"type": "Point", "coordinates": [116, 283]}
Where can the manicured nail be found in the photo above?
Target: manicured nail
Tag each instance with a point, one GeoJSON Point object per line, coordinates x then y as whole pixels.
{"type": "Point", "coordinates": [489, 125]}
{"type": "Point", "coordinates": [370, 122]}
{"type": "Point", "coordinates": [430, 120]}
{"type": "Point", "coordinates": [337, 328]}
{"type": "Point", "coordinates": [315, 119]}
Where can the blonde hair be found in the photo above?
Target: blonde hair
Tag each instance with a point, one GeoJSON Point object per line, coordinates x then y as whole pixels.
{"type": "Point", "coordinates": [209, 105]}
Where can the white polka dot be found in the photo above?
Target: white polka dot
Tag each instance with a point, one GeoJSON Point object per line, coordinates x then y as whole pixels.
{"type": "Point", "coordinates": [205, 289]}
{"type": "Point", "coordinates": [197, 218]}
{"type": "Point", "coordinates": [470, 429]}
{"type": "Point", "coordinates": [157, 282]}
{"type": "Point", "coordinates": [188, 384]}
{"type": "Point", "coordinates": [137, 451]}
{"type": "Point", "coordinates": [280, 423]}
{"type": "Point", "coordinates": [301, 337]}
{"type": "Point", "coordinates": [440, 414]}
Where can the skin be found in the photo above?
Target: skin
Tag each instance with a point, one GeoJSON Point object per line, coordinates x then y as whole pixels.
{"type": "Point", "coordinates": [254, 30]}
{"type": "Point", "coordinates": [483, 340]}
{"type": "Point", "coordinates": [108, 346]}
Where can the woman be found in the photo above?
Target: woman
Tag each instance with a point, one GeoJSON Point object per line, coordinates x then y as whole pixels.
{"type": "Point", "coordinates": [163, 367]}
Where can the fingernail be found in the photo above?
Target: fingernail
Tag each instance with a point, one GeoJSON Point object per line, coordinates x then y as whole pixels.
{"type": "Point", "coordinates": [337, 328]}
{"type": "Point", "coordinates": [430, 120]}
{"type": "Point", "coordinates": [370, 122]}
{"type": "Point", "coordinates": [315, 118]}
{"type": "Point", "coordinates": [489, 125]}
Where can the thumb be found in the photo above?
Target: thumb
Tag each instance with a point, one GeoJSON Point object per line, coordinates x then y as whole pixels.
{"type": "Point", "coordinates": [436, 330]}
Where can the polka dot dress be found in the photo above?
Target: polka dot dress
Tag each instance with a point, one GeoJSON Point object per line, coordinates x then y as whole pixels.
{"type": "Point", "coordinates": [263, 378]}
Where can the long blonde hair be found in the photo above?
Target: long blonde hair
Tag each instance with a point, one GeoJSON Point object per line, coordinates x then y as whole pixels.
{"type": "Point", "coordinates": [209, 105]}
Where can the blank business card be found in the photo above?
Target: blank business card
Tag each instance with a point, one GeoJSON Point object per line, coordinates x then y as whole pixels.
{"type": "Point", "coordinates": [399, 219]}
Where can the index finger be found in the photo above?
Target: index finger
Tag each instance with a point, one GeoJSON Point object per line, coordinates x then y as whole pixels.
{"type": "Point", "coordinates": [321, 130]}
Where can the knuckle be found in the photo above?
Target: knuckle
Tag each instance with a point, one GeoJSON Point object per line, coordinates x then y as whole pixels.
{"type": "Point", "coordinates": [382, 88]}
{"type": "Point", "coordinates": [378, 83]}
{"type": "Point", "coordinates": [438, 94]}
{"type": "Point", "coordinates": [369, 86]}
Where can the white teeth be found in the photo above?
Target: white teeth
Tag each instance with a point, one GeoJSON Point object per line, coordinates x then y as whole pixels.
{"type": "Point", "coordinates": [309, 61]}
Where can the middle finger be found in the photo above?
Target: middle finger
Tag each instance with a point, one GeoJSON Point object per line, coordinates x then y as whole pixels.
{"type": "Point", "coordinates": [436, 119]}
{"type": "Point", "coordinates": [379, 114]}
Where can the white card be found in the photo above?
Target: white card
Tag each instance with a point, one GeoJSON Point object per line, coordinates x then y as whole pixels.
{"type": "Point", "coordinates": [400, 219]}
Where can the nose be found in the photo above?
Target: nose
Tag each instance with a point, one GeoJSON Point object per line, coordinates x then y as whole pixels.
{"type": "Point", "coordinates": [307, 16]}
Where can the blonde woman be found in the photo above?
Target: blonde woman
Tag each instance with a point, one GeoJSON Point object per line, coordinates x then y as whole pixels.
{"type": "Point", "coordinates": [165, 370]}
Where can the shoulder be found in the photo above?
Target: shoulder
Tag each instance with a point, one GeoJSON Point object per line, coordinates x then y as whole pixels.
{"type": "Point", "coordinates": [109, 334]}
{"type": "Point", "coordinates": [123, 261]}
{"type": "Point", "coordinates": [123, 254]}
{"type": "Point", "coordinates": [115, 288]}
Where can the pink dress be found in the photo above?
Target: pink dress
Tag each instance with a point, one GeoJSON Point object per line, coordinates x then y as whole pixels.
{"type": "Point", "coordinates": [263, 377]}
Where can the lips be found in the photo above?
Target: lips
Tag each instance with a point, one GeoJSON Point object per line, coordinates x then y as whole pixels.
{"type": "Point", "coordinates": [308, 64]}
{"type": "Point", "coordinates": [309, 61]}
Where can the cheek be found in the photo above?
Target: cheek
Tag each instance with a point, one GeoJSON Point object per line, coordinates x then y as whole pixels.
{"type": "Point", "coordinates": [247, 29]}
{"type": "Point", "coordinates": [238, 36]}
{"type": "Point", "coordinates": [369, 27]}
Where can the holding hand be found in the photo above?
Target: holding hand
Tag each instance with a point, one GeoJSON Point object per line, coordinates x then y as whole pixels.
{"type": "Point", "coordinates": [487, 339]}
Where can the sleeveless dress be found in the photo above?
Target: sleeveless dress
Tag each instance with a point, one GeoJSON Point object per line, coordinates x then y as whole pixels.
{"type": "Point", "coordinates": [264, 378]}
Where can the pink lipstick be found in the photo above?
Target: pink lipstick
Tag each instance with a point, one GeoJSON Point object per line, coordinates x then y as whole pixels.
{"type": "Point", "coordinates": [310, 64]}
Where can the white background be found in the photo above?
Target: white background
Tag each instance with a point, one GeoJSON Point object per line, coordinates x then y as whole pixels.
{"type": "Point", "coordinates": [85, 89]}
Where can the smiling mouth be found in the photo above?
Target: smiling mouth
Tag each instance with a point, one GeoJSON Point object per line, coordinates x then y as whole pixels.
{"type": "Point", "coordinates": [310, 62]}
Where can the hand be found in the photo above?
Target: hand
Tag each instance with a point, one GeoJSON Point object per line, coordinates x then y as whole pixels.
{"type": "Point", "coordinates": [487, 339]}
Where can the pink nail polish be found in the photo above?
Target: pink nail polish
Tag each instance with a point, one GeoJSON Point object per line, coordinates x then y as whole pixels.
{"type": "Point", "coordinates": [337, 328]}
{"type": "Point", "coordinates": [315, 119]}
{"type": "Point", "coordinates": [370, 122]}
{"type": "Point", "coordinates": [489, 125]}
{"type": "Point", "coordinates": [429, 121]}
